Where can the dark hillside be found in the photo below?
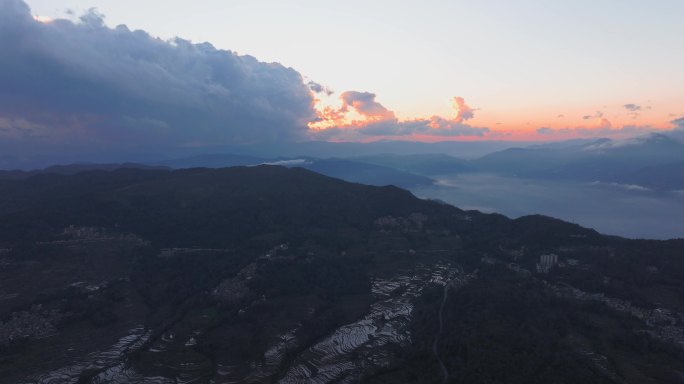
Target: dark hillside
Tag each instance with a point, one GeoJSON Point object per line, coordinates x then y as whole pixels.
{"type": "Point", "coordinates": [266, 274]}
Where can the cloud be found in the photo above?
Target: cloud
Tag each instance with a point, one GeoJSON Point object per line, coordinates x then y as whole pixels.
{"type": "Point", "coordinates": [678, 132]}
{"type": "Point", "coordinates": [64, 82]}
{"type": "Point", "coordinates": [463, 111]}
{"type": "Point", "coordinates": [605, 131]}
{"type": "Point", "coordinates": [318, 88]}
{"type": "Point", "coordinates": [364, 104]}
{"type": "Point", "coordinates": [435, 126]}
{"type": "Point", "coordinates": [626, 135]}
{"type": "Point", "coordinates": [600, 122]}
{"type": "Point", "coordinates": [603, 123]}
{"type": "Point", "coordinates": [635, 110]}
{"type": "Point", "coordinates": [289, 163]}
{"type": "Point", "coordinates": [596, 115]}
{"type": "Point", "coordinates": [377, 120]}
{"type": "Point", "coordinates": [629, 187]}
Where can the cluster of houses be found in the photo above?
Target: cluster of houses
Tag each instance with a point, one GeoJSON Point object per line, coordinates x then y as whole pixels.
{"type": "Point", "coordinates": [550, 260]}
{"type": "Point", "coordinates": [664, 324]}
{"type": "Point", "coordinates": [414, 222]}
{"type": "Point", "coordinates": [76, 234]}
{"type": "Point", "coordinates": [35, 323]}
{"type": "Point", "coordinates": [546, 262]}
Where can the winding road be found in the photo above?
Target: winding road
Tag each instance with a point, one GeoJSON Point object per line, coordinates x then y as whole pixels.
{"type": "Point", "coordinates": [445, 373]}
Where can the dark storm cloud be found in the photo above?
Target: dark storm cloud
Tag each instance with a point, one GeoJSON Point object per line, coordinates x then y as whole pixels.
{"type": "Point", "coordinates": [64, 82]}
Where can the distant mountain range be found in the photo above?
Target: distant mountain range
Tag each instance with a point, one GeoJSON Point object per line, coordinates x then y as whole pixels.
{"type": "Point", "coordinates": [72, 169]}
{"type": "Point", "coordinates": [422, 164]}
{"type": "Point", "coordinates": [348, 170]}
{"type": "Point", "coordinates": [315, 149]}
{"type": "Point", "coordinates": [635, 161]}
{"type": "Point", "coordinates": [345, 169]}
{"type": "Point", "coordinates": [653, 161]}
{"type": "Point", "coordinates": [663, 176]}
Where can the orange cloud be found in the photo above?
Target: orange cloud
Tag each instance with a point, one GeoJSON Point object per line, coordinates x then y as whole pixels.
{"type": "Point", "coordinates": [378, 121]}
{"type": "Point", "coordinates": [364, 104]}
{"type": "Point", "coordinates": [598, 121]}
{"type": "Point", "coordinates": [463, 111]}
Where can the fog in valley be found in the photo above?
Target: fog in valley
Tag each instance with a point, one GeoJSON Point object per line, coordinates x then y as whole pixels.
{"type": "Point", "coordinates": [615, 209]}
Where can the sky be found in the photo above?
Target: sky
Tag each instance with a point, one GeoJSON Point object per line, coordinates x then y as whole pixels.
{"type": "Point", "coordinates": [339, 71]}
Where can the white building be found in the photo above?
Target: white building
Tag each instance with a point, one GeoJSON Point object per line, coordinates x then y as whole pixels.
{"type": "Point", "coordinates": [546, 262]}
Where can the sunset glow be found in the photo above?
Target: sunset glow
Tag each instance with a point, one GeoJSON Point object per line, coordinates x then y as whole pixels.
{"type": "Point", "coordinates": [42, 19]}
{"type": "Point", "coordinates": [404, 75]}
{"type": "Point", "coordinates": [617, 121]}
